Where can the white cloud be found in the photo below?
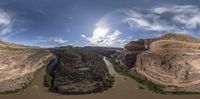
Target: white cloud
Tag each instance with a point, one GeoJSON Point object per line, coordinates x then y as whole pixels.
{"type": "Point", "coordinates": [52, 39]}
{"type": "Point", "coordinates": [103, 37]}
{"type": "Point", "coordinates": [173, 18]}
{"type": "Point", "coordinates": [187, 15]}
{"type": "Point", "coordinates": [60, 40]}
{"type": "Point", "coordinates": [147, 22]}
{"type": "Point", "coordinates": [104, 34]}
{"type": "Point", "coordinates": [83, 35]}
{"type": "Point", "coordinates": [160, 19]}
{"type": "Point", "coordinates": [176, 9]}
{"type": "Point", "coordinates": [5, 23]}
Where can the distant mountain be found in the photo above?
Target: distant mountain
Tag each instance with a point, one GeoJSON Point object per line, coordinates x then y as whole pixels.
{"type": "Point", "coordinates": [106, 51]}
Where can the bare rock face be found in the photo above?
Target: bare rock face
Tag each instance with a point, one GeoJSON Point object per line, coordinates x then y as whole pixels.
{"type": "Point", "coordinates": [172, 60]}
{"type": "Point", "coordinates": [135, 46]}
{"type": "Point", "coordinates": [170, 69]}
{"type": "Point", "coordinates": [128, 56]}
{"type": "Point", "coordinates": [171, 63]}
{"type": "Point", "coordinates": [19, 64]}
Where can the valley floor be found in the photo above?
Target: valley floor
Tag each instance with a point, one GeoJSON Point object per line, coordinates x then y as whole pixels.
{"type": "Point", "coordinates": [124, 88]}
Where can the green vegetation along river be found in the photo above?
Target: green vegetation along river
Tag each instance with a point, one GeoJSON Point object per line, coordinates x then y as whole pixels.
{"type": "Point", "coordinates": [124, 88]}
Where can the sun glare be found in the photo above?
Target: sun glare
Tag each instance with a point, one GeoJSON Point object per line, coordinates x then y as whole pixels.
{"type": "Point", "coordinates": [100, 32]}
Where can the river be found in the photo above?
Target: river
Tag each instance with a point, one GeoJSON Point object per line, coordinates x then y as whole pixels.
{"type": "Point", "coordinates": [124, 88]}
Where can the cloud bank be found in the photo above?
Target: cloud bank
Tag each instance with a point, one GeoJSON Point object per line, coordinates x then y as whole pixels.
{"type": "Point", "coordinates": [160, 19]}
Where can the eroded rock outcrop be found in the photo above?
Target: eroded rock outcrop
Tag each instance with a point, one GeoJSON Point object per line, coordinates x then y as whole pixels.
{"type": "Point", "coordinates": [18, 65]}
{"type": "Point", "coordinates": [173, 60]}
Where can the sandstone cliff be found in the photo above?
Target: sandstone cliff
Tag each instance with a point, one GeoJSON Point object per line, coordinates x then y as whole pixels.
{"type": "Point", "coordinates": [172, 60]}
{"type": "Point", "coordinates": [18, 64]}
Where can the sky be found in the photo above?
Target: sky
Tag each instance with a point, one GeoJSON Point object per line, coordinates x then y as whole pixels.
{"type": "Point", "coordinates": [108, 23]}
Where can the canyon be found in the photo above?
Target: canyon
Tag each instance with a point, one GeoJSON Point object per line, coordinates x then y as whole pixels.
{"type": "Point", "coordinates": [170, 61]}
{"type": "Point", "coordinates": [168, 65]}
{"type": "Point", "coordinates": [19, 64]}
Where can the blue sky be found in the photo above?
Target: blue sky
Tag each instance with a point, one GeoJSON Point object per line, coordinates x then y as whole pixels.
{"type": "Point", "coordinates": [50, 23]}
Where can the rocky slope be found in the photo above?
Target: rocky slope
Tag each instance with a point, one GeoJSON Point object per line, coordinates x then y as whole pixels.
{"type": "Point", "coordinates": [172, 60]}
{"type": "Point", "coordinates": [4, 45]}
{"type": "Point", "coordinates": [78, 71]}
{"type": "Point", "coordinates": [18, 64]}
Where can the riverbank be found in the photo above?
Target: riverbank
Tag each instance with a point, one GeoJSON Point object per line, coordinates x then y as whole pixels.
{"type": "Point", "coordinates": [77, 72]}
{"type": "Point", "coordinates": [147, 84]}
{"type": "Point", "coordinates": [30, 79]}
{"type": "Point", "coordinates": [123, 88]}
